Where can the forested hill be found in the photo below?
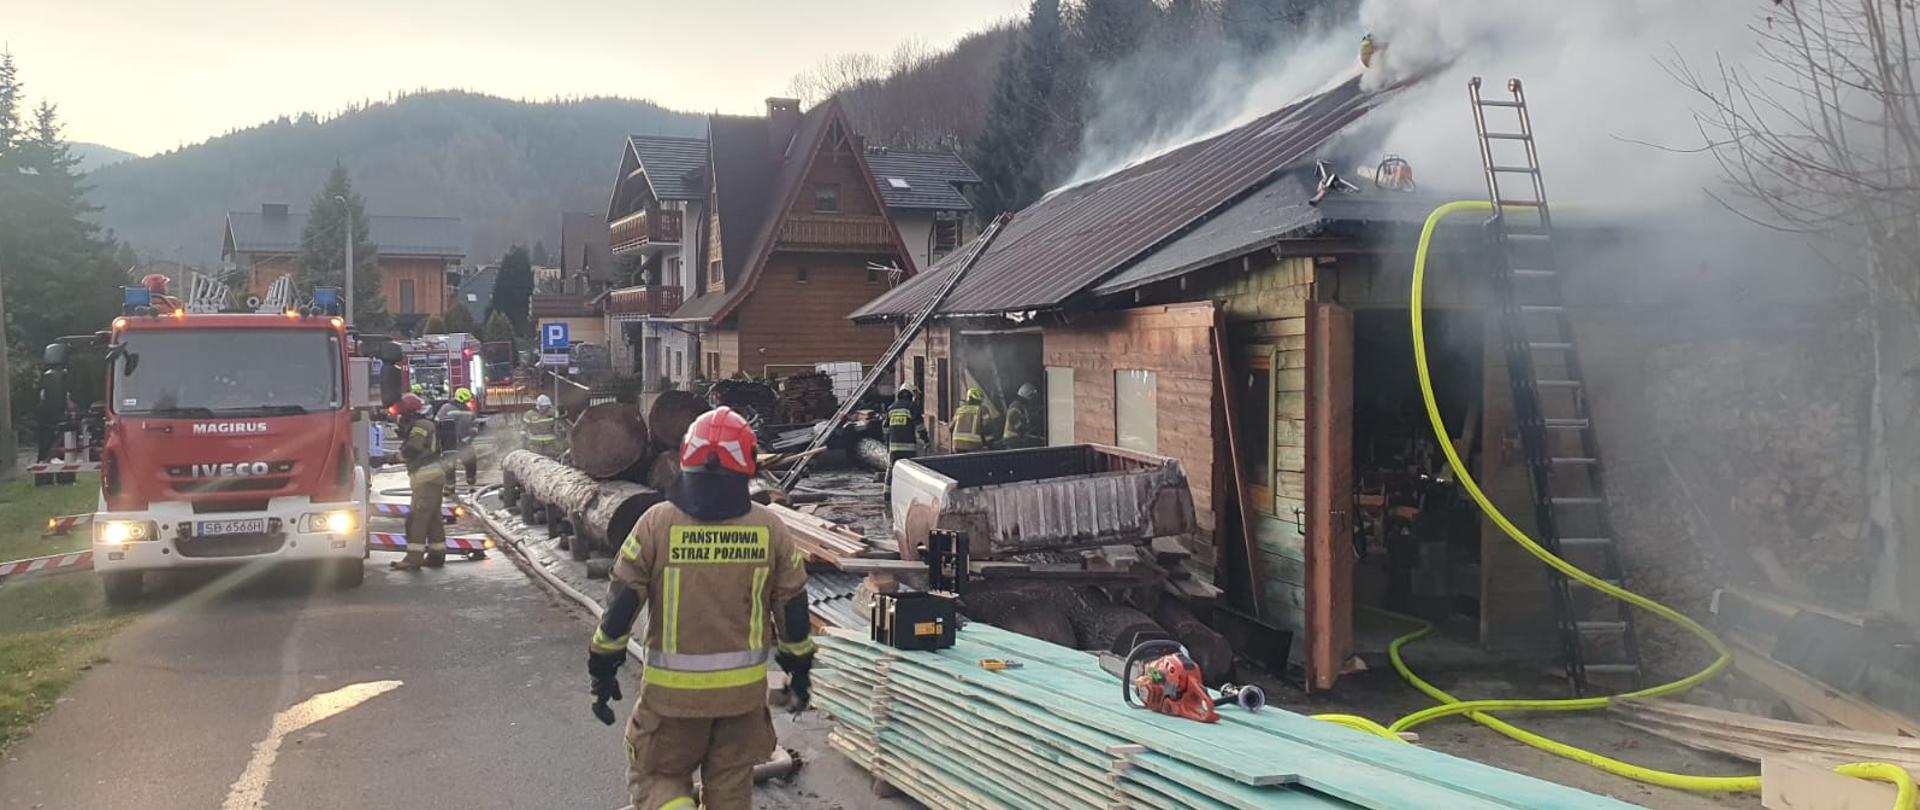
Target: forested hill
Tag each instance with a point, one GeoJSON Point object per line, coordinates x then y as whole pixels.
{"type": "Point", "coordinates": [508, 168]}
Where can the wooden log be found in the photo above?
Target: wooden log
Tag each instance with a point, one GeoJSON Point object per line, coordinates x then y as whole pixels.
{"type": "Point", "coordinates": [609, 439]}
{"type": "Point", "coordinates": [664, 470]}
{"type": "Point", "coordinates": [669, 417]}
{"type": "Point", "coordinates": [610, 518]}
{"type": "Point", "coordinates": [600, 512]}
{"type": "Point", "coordinates": [873, 453]}
{"type": "Point", "coordinates": [1024, 612]}
{"type": "Point", "coordinates": [1210, 650]}
{"type": "Point", "coordinates": [1103, 625]}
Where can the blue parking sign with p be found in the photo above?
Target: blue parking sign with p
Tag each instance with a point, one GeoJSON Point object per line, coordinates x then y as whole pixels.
{"type": "Point", "coordinates": [553, 337]}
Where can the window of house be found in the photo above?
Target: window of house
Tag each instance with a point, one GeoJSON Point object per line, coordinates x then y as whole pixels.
{"type": "Point", "coordinates": [920, 376]}
{"type": "Point", "coordinates": [945, 377]}
{"type": "Point", "coordinates": [945, 237]}
{"type": "Point", "coordinates": [713, 365]}
{"type": "Point", "coordinates": [826, 198]}
{"type": "Point", "coordinates": [716, 276]}
{"type": "Point", "coordinates": [1136, 410]}
{"type": "Point", "coordinates": [873, 275]}
{"type": "Point", "coordinates": [406, 297]}
{"type": "Point", "coordinates": [679, 361]}
{"type": "Point", "coordinates": [899, 183]}
{"type": "Point", "coordinates": [1059, 405]}
{"type": "Point", "coordinates": [800, 274]}
{"type": "Point", "coordinates": [673, 273]}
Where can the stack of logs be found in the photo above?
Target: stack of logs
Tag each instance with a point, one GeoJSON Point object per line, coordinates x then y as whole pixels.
{"type": "Point", "coordinates": [806, 398]}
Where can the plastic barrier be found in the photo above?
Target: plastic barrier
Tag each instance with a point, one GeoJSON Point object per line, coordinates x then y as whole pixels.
{"type": "Point", "coordinates": [50, 564]}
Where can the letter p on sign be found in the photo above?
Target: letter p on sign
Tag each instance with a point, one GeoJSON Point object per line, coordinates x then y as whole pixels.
{"type": "Point", "coordinates": [553, 337]}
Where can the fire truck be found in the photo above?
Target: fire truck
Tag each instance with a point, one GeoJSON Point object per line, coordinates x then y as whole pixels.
{"type": "Point", "coordinates": [231, 439]}
{"type": "Point", "coordinates": [441, 364]}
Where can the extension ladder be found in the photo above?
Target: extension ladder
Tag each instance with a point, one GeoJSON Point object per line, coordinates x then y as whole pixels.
{"type": "Point", "coordinates": [1570, 504]}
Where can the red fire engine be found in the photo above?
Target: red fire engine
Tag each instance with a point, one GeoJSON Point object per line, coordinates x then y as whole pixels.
{"type": "Point", "coordinates": [229, 440]}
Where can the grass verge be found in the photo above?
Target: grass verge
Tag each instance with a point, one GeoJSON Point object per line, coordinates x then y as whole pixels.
{"type": "Point", "coordinates": [51, 628]}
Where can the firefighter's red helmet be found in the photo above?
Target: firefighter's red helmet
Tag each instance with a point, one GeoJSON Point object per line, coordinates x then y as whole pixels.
{"type": "Point", "coordinates": [409, 404]}
{"type": "Point", "coordinates": [718, 439]}
{"type": "Point", "coordinates": [155, 283]}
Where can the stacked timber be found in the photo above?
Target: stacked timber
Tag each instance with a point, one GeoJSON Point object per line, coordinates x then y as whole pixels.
{"type": "Point", "coordinates": [821, 539]}
{"type": "Point", "coordinates": [750, 397]}
{"type": "Point", "coordinates": [806, 398]}
{"type": "Point", "coordinates": [1055, 734]}
{"type": "Point", "coordinates": [610, 439]}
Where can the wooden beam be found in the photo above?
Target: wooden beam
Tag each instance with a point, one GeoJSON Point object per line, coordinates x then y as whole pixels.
{"type": "Point", "coordinates": [1805, 783]}
{"type": "Point", "coordinates": [1813, 699]}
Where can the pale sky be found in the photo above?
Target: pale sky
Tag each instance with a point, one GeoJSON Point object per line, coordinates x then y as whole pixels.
{"type": "Point", "coordinates": [150, 75]}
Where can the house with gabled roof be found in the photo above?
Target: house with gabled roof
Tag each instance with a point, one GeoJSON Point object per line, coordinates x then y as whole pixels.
{"type": "Point", "coordinates": [414, 255]}
{"type": "Point", "coordinates": [754, 242]}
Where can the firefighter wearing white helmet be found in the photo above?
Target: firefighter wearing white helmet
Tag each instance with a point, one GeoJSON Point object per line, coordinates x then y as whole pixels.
{"type": "Point", "coordinates": [543, 429]}
{"type": "Point", "coordinates": [1019, 425]}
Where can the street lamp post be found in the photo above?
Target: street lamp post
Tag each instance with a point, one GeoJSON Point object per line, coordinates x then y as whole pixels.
{"type": "Point", "coordinates": [347, 210]}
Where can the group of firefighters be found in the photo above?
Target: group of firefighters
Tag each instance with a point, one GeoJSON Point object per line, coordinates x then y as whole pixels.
{"type": "Point", "coordinates": [972, 423]}
{"type": "Point", "coordinates": [722, 583]}
{"type": "Point", "coordinates": [434, 444]}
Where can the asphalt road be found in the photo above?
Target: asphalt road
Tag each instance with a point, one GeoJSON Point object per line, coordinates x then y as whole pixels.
{"type": "Point", "coordinates": [488, 711]}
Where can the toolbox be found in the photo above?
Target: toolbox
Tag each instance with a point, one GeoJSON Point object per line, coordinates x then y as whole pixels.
{"type": "Point", "coordinates": [915, 621]}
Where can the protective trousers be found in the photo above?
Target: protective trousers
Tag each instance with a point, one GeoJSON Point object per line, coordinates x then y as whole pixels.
{"type": "Point", "coordinates": [663, 753]}
{"type": "Point", "coordinates": [426, 530]}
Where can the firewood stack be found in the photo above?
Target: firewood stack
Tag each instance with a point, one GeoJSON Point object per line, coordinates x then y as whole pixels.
{"type": "Point", "coordinates": [750, 398]}
{"type": "Point", "coordinates": [806, 398]}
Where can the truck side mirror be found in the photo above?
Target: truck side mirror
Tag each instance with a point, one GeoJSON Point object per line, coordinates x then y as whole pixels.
{"type": "Point", "coordinates": [55, 354]}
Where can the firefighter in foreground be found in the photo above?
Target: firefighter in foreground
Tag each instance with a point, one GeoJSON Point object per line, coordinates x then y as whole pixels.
{"type": "Point", "coordinates": [966, 422]}
{"type": "Point", "coordinates": [711, 567]}
{"type": "Point", "coordinates": [543, 428]}
{"type": "Point", "coordinates": [426, 478]}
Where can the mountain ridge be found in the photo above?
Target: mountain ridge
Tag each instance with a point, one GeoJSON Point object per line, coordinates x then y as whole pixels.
{"type": "Point", "coordinates": [507, 168]}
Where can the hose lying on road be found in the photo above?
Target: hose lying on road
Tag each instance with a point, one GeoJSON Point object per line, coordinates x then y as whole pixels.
{"type": "Point", "coordinates": [1478, 710]}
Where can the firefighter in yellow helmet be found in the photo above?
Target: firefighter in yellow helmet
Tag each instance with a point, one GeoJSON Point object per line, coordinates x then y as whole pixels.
{"type": "Point", "coordinates": [543, 429]}
{"type": "Point", "coordinates": [724, 586]}
{"type": "Point", "coordinates": [966, 422]}
{"type": "Point", "coordinates": [426, 479]}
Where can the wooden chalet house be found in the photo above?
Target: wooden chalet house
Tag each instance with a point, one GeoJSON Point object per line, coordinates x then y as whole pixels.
{"type": "Point", "coordinates": [757, 240]}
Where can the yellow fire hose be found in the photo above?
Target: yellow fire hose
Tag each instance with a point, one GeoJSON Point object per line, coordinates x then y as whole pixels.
{"type": "Point", "coordinates": [1477, 710]}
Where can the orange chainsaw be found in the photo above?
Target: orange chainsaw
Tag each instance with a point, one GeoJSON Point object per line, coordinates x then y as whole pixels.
{"type": "Point", "coordinates": [1172, 684]}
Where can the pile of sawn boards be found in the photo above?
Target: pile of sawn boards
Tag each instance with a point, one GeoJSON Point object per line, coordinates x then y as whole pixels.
{"type": "Point", "coordinates": [1055, 734]}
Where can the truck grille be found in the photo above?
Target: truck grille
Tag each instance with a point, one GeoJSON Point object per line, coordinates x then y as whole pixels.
{"type": "Point", "coordinates": [218, 485]}
{"type": "Point", "coordinates": [233, 545]}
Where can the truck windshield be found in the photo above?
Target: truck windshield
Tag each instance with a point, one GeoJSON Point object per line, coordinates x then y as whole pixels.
{"type": "Point", "coordinates": [227, 373]}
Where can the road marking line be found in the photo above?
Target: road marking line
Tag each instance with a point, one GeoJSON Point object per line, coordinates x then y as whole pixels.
{"type": "Point", "coordinates": [250, 790]}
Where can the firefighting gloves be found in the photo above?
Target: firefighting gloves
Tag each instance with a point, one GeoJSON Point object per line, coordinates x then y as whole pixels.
{"type": "Point", "coordinates": [604, 670]}
{"type": "Point", "coordinates": [799, 669]}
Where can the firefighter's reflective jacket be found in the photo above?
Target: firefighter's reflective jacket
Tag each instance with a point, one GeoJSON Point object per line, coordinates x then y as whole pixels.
{"type": "Point", "coordinates": [903, 425]}
{"type": "Point", "coordinates": [421, 450]}
{"type": "Point", "coordinates": [713, 592]}
{"type": "Point", "coordinates": [966, 428]}
{"type": "Point", "coordinates": [543, 433]}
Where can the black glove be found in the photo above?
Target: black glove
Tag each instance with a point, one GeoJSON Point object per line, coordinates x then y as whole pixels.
{"type": "Point", "coordinates": [604, 669]}
{"type": "Point", "coordinates": [799, 669]}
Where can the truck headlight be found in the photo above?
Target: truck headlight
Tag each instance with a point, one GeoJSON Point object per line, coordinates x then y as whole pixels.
{"type": "Point", "coordinates": [116, 532]}
{"type": "Point", "coordinates": [339, 521]}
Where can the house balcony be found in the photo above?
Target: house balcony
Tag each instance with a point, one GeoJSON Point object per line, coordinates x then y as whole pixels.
{"type": "Point", "coordinates": [644, 232]}
{"type": "Point", "coordinates": [644, 301]}
{"type": "Point", "coordinates": [836, 233]}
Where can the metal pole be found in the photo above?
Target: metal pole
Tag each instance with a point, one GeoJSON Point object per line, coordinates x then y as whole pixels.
{"type": "Point", "coordinates": [347, 210]}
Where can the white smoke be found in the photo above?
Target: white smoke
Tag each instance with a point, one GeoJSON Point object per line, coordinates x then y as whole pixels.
{"type": "Point", "coordinates": [1596, 76]}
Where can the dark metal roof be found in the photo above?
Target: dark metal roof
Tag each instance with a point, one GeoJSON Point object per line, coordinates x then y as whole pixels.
{"type": "Point", "coordinates": [583, 246]}
{"type": "Point", "coordinates": [931, 180]}
{"type": "Point", "coordinates": [1078, 235]}
{"type": "Point", "coordinates": [480, 286]}
{"type": "Point", "coordinates": [831, 596]}
{"type": "Point", "coordinates": [1278, 211]}
{"type": "Point", "coordinates": [673, 165]}
{"type": "Point", "coordinates": [252, 232]}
